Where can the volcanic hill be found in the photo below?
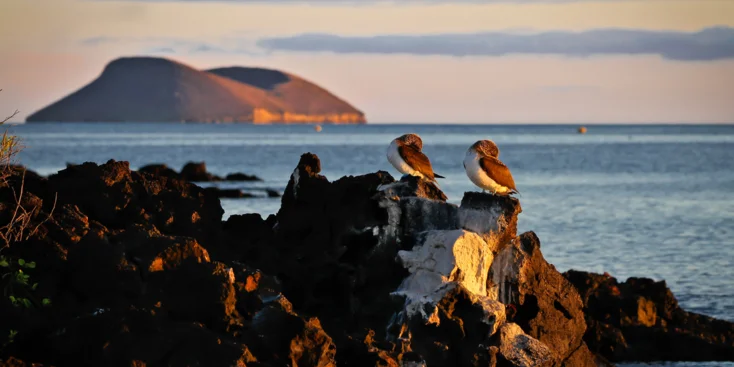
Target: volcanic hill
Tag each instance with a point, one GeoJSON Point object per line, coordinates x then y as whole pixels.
{"type": "Point", "coordinates": [148, 89]}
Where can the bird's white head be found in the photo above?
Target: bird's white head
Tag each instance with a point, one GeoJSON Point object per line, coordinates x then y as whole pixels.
{"type": "Point", "coordinates": [410, 139]}
{"type": "Point", "coordinates": [486, 148]}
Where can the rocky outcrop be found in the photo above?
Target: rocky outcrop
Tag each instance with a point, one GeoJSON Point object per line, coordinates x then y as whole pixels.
{"type": "Point", "coordinates": [194, 172]}
{"type": "Point", "coordinates": [139, 269]}
{"type": "Point", "coordinates": [640, 319]}
{"type": "Point", "coordinates": [197, 172]}
{"type": "Point", "coordinates": [148, 89]}
{"type": "Point", "coordinates": [133, 270]}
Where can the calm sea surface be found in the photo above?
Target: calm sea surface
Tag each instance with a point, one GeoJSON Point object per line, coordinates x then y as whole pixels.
{"type": "Point", "coordinates": [652, 201]}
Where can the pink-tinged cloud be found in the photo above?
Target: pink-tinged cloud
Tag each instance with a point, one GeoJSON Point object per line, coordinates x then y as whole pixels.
{"type": "Point", "coordinates": [708, 44]}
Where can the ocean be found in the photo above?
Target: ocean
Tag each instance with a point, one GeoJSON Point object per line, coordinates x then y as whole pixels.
{"type": "Point", "coordinates": [632, 200]}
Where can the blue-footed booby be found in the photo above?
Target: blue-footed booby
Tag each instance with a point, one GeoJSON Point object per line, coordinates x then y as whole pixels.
{"type": "Point", "coordinates": [404, 153]}
{"type": "Point", "coordinates": [485, 170]}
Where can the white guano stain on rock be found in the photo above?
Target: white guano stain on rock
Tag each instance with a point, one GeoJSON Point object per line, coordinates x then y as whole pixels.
{"type": "Point", "coordinates": [487, 223]}
{"type": "Point", "coordinates": [507, 270]}
{"type": "Point", "coordinates": [295, 176]}
{"type": "Point", "coordinates": [445, 261]}
{"type": "Point", "coordinates": [480, 220]}
{"type": "Point", "coordinates": [391, 231]}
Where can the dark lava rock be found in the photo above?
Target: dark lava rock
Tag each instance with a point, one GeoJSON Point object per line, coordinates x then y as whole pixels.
{"type": "Point", "coordinates": [324, 249]}
{"type": "Point", "coordinates": [125, 259]}
{"type": "Point", "coordinates": [248, 238]}
{"type": "Point", "coordinates": [15, 362]}
{"type": "Point", "coordinates": [196, 172]}
{"type": "Point", "coordinates": [641, 320]}
{"type": "Point", "coordinates": [241, 177]}
{"type": "Point", "coordinates": [195, 291]}
{"type": "Point", "coordinates": [141, 271]}
{"type": "Point", "coordinates": [545, 305]}
{"type": "Point", "coordinates": [279, 334]}
{"type": "Point", "coordinates": [116, 197]}
{"type": "Point", "coordinates": [141, 337]}
{"type": "Point", "coordinates": [457, 337]}
{"type": "Point", "coordinates": [272, 193]}
{"type": "Point", "coordinates": [160, 170]}
{"type": "Point", "coordinates": [412, 186]}
{"type": "Point", "coordinates": [229, 193]}
{"type": "Point", "coordinates": [20, 170]}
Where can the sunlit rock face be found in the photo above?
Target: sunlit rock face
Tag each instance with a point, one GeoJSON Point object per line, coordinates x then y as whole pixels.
{"type": "Point", "coordinates": [445, 261]}
{"type": "Point", "coordinates": [518, 349]}
{"type": "Point", "coordinates": [469, 276]}
{"type": "Point", "coordinates": [492, 217]}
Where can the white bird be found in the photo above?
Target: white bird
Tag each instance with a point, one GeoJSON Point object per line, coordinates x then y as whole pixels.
{"type": "Point", "coordinates": [404, 153]}
{"type": "Point", "coordinates": [485, 170]}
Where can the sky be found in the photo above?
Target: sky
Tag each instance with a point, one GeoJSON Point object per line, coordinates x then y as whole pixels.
{"type": "Point", "coordinates": [408, 61]}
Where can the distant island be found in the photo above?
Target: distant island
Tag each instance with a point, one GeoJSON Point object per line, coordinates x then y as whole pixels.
{"type": "Point", "coordinates": [149, 89]}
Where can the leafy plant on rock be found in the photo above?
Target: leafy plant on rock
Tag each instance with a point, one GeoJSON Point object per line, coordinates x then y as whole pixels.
{"type": "Point", "coordinates": [15, 283]}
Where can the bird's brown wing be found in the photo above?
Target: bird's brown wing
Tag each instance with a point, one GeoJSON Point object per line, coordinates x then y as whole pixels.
{"type": "Point", "coordinates": [497, 171]}
{"type": "Point", "coordinates": [416, 159]}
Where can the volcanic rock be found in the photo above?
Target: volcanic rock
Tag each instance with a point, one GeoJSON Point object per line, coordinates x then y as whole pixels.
{"type": "Point", "coordinates": [229, 193]}
{"type": "Point", "coordinates": [518, 349]}
{"type": "Point", "coordinates": [362, 271]}
{"type": "Point", "coordinates": [241, 177]}
{"type": "Point", "coordinates": [160, 170]}
{"type": "Point", "coordinates": [640, 319]}
{"type": "Point", "coordinates": [196, 172]}
{"type": "Point", "coordinates": [545, 304]}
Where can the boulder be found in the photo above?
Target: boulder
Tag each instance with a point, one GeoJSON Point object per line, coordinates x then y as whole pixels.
{"type": "Point", "coordinates": [544, 304]}
{"type": "Point", "coordinates": [445, 261]}
{"type": "Point", "coordinates": [100, 275]}
{"type": "Point", "coordinates": [241, 177]}
{"type": "Point", "coordinates": [248, 238]}
{"type": "Point", "coordinates": [414, 206]}
{"type": "Point", "coordinates": [142, 337]}
{"type": "Point", "coordinates": [116, 197]}
{"type": "Point", "coordinates": [160, 170]}
{"type": "Point", "coordinates": [19, 170]}
{"type": "Point", "coordinates": [278, 333]}
{"type": "Point", "coordinates": [412, 186]}
{"type": "Point", "coordinates": [518, 349]}
{"type": "Point", "coordinates": [196, 172]}
{"type": "Point", "coordinates": [228, 193]}
{"type": "Point", "coordinates": [493, 217]}
{"type": "Point", "coordinates": [640, 319]}
{"type": "Point", "coordinates": [327, 256]}
{"type": "Point", "coordinates": [272, 193]}
{"type": "Point", "coordinates": [195, 291]}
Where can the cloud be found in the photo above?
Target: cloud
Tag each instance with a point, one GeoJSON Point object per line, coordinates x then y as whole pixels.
{"type": "Point", "coordinates": [181, 46]}
{"type": "Point", "coordinates": [708, 44]}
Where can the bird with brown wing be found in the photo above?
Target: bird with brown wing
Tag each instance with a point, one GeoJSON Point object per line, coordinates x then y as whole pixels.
{"type": "Point", "coordinates": [485, 170]}
{"type": "Point", "coordinates": [405, 154]}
